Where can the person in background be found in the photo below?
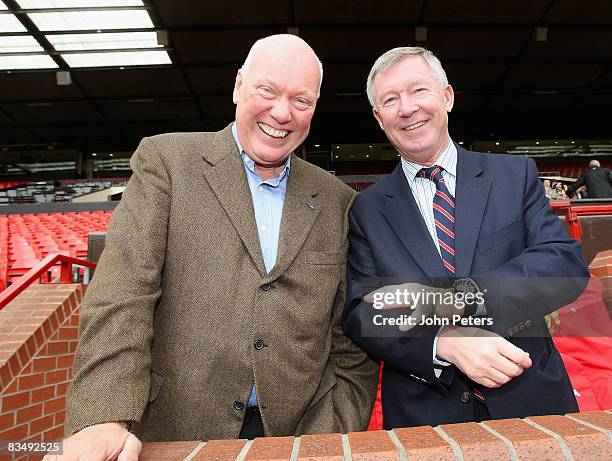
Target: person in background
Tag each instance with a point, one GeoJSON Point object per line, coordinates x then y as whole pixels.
{"type": "Point", "coordinates": [547, 189]}
{"type": "Point", "coordinates": [598, 181]}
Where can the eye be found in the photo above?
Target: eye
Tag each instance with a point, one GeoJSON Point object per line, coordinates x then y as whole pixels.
{"type": "Point", "coordinates": [265, 91]}
{"type": "Point", "coordinates": [302, 103]}
{"type": "Point", "coordinates": [390, 101]}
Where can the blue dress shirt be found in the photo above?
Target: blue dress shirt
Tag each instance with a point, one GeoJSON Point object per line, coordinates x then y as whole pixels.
{"type": "Point", "coordinates": [268, 200]}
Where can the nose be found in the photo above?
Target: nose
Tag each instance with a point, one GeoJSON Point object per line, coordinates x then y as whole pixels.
{"type": "Point", "coordinates": [406, 106]}
{"type": "Point", "coordinates": [281, 111]}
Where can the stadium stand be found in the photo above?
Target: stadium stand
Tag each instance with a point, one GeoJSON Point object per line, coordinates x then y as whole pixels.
{"type": "Point", "coordinates": [27, 238]}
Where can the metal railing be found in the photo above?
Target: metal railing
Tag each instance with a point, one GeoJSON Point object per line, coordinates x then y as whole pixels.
{"type": "Point", "coordinates": [34, 274]}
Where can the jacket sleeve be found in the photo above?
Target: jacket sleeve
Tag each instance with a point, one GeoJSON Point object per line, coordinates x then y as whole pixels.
{"type": "Point", "coordinates": [112, 365]}
{"type": "Point", "coordinates": [549, 273]}
{"type": "Point", "coordinates": [348, 406]}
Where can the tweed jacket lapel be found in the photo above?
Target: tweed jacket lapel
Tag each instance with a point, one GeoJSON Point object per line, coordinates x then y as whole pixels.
{"type": "Point", "coordinates": [229, 183]}
{"type": "Point", "coordinates": [301, 209]}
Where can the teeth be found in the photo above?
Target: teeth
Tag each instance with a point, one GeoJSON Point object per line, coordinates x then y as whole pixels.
{"type": "Point", "coordinates": [272, 132]}
{"type": "Point", "coordinates": [416, 125]}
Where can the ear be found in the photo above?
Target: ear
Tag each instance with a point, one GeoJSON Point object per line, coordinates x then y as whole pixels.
{"type": "Point", "coordinates": [449, 98]}
{"type": "Point", "coordinates": [237, 86]}
{"type": "Point", "coordinates": [378, 117]}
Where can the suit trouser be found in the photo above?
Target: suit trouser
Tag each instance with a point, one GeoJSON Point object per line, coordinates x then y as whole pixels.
{"type": "Point", "coordinates": [252, 426]}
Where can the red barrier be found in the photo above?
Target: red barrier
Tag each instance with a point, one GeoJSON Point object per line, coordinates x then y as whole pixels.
{"type": "Point", "coordinates": [20, 284]}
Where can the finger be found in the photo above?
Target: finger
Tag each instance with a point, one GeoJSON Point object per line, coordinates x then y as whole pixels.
{"type": "Point", "coordinates": [496, 376]}
{"type": "Point", "coordinates": [506, 366]}
{"type": "Point", "coordinates": [131, 449]}
{"type": "Point", "coordinates": [516, 354]}
{"type": "Point", "coordinates": [487, 383]}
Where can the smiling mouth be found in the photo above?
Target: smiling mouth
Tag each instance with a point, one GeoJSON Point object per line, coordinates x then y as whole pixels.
{"type": "Point", "coordinates": [272, 132]}
{"type": "Point", "coordinates": [414, 126]}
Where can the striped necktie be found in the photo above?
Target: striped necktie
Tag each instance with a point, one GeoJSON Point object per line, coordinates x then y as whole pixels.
{"type": "Point", "coordinates": [444, 215]}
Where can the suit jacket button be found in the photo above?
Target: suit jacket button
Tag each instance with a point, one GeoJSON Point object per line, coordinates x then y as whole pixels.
{"type": "Point", "coordinates": [259, 344]}
{"type": "Point", "coordinates": [238, 405]}
{"type": "Point", "coordinates": [266, 286]}
{"type": "Point", "coordinates": [465, 397]}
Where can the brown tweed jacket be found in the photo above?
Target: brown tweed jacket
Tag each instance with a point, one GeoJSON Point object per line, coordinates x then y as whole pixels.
{"type": "Point", "coordinates": [181, 297]}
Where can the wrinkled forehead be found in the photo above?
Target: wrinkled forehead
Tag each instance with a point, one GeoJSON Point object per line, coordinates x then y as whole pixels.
{"type": "Point", "coordinates": [409, 71]}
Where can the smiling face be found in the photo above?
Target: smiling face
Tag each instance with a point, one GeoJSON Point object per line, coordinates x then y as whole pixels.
{"type": "Point", "coordinates": [275, 97]}
{"type": "Point", "coordinates": [412, 108]}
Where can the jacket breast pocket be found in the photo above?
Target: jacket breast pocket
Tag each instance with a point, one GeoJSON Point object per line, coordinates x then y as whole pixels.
{"type": "Point", "coordinates": [506, 234]}
{"type": "Point", "coordinates": [325, 258]}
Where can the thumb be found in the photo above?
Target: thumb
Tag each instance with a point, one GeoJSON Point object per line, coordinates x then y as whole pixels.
{"type": "Point", "coordinates": [131, 449]}
{"type": "Point", "coordinates": [526, 361]}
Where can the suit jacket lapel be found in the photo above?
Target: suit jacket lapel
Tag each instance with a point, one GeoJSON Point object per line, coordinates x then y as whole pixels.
{"type": "Point", "coordinates": [403, 215]}
{"type": "Point", "coordinates": [300, 211]}
{"type": "Point", "coordinates": [229, 183]}
{"type": "Point", "coordinates": [471, 195]}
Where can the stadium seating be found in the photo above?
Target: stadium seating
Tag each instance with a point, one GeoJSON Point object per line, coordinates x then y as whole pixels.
{"type": "Point", "coordinates": [27, 238]}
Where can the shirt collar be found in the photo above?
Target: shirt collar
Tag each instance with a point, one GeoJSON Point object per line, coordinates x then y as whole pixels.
{"type": "Point", "coordinates": [250, 164]}
{"type": "Point", "coordinates": [447, 160]}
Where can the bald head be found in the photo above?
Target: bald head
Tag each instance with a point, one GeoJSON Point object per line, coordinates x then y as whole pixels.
{"type": "Point", "coordinates": [284, 49]}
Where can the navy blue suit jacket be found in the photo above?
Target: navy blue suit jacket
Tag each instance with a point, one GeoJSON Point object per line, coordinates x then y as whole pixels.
{"type": "Point", "coordinates": [510, 242]}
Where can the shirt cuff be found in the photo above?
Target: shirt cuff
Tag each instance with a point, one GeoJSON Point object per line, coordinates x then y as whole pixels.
{"type": "Point", "coordinates": [438, 364]}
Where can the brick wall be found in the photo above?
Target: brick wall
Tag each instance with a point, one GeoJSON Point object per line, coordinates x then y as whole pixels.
{"type": "Point", "coordinates": [38, 337]}
{"type": "Point", "coordinates": [601, 267]}
{"type": "Point", "coordinates": [579, 436]}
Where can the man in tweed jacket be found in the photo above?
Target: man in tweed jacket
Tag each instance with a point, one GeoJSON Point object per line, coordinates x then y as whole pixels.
{"type": "Point", "coordinates": [185, 324]}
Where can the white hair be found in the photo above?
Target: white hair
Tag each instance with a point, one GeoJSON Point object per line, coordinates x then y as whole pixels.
{"type": "Point", "coordinates": [396, 55]}
{"type": "Point", "coordinates": [247, 62]}
{"type": "Point", "coordinates": [594, 163]}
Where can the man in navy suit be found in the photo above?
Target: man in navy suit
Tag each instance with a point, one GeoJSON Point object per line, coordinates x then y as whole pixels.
{"type": "Point", "coordinates": [444, 223]}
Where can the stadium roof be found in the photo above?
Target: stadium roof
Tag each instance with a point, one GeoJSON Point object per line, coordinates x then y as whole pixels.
{"type": "Point", "coordinates": [523, 69]}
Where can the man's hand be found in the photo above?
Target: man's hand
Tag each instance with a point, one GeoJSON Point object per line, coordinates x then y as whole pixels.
{"type": "Point", "coordinates": [483, 356]}
{"type": "Point", "coordinates": [425, 301]}
{"type": "Point", "coordinates": [100, 442]}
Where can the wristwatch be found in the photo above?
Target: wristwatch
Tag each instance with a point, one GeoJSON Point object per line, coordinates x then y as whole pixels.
{"type": "Point", "coordinates": [467, 285]}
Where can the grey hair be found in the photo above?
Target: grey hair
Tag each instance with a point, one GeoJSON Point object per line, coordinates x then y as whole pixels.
{"type": "Point", "coordinates": [594, 163]}
{"type": "Point", "coordinates": [396, 55]}
{"type": "Point", "coordinates": [247, 62]}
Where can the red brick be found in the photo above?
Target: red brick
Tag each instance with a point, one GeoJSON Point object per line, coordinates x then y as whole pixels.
{"type": "Point", "coordinates": [65, 361]}
{"type": "Point", "coordinates": [31, 346]}
{"type": "Point", "coordinates": [16, 433]}
{"type": "Point", "coordinates": [72, 347]}
{"type": "Point", "coordinates": [57, 347]}
{"type": "Point", "coordinates": [13, 337]}
{"type": "Point", "coordinates": [74, 320]}
{"type": "Point", "coordinates": [167, 451]}
{"type": "Point", "coordinates": [424, 443]}
{"type": "Point", "coordinates": [55, 405]}
{"type": "Point", "coordinates": [5, 376]}
{"type": "Point", "coordinates": [42, 424]}
{"type": "Point", "coordinates": [23, 355]}
{"type": "Point", "coordinates": [324, 447]}
{"type": "Point", "coordinates": [7, 421]}
{"type": "Point", "coordinates": [529, 442]}
{"type": "Point", "coordinates": [372, 446]}
{"type": "Point", "coordinates": [61, 389]}
{"type": "Point", "coordinates": [10, 346]}
{"type": "Point", "coordinates": [598, 418]}
{"type": "Point", "coordinates": [220, 450]}
{"type": "Point", "coordinates": [69, 333]}
{"type": "Point", "coordinates": [44, 364]}
{"type": "Point", "coordinates": [60, 418]}
{"type": "Point", "coordinates": [43, 394]}
{"type": "Point", "coordinates": [57, 376]}
{"type": "Point", "coordinates": [54, 434]}
{"type": "Point", "coordinates": [31, 381]}
{"type": "Point", "coordinates": [476, 442]}
{"type": "Point", "coordinates": [39, 336]}
{"type": "Point", "coordinates": [15, 401]}
{"type": "Point", "coordinates": [29, 413]}
{"type": "Point", "coordinates": [584, 443]}
{"type": "Point", "coordinates": [270, 449]}
{"type": "Point", "coordinates": [11, 389]}
{"type": "Point", "coordinates": [14, 364]}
